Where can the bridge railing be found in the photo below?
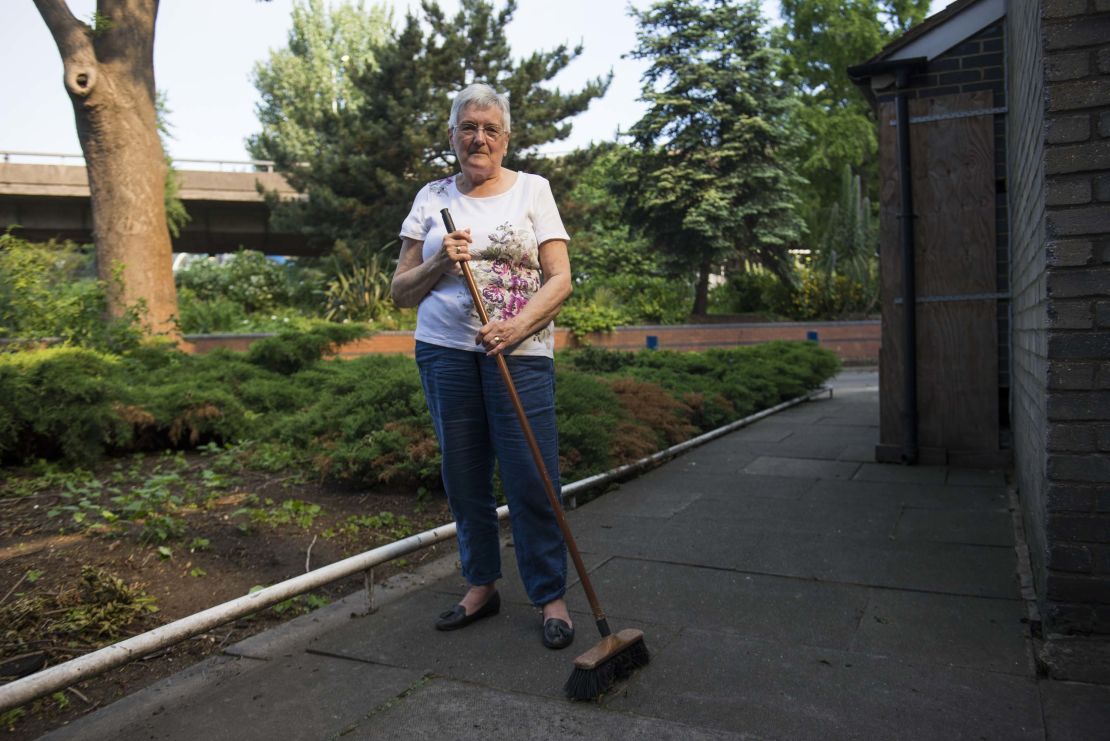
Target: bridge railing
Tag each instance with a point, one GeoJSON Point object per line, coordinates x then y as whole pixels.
{"type": "Point", "coordinates": [222, 165]}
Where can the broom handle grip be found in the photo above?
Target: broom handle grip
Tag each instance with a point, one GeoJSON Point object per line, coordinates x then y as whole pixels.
{"type": "Point", "coordinates": [537, 456]}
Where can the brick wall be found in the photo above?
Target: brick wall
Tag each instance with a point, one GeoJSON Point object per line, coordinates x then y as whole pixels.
{"type": "Point", "coordinates": [856, 343]}
{"type": "Point", "coordinates": [1059, 191]}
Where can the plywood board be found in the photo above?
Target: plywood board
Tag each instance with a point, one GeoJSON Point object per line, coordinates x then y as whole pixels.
{"type": "Point", "coordinates": [954, 232]}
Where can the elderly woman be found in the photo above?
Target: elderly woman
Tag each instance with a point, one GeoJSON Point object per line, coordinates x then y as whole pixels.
{"type": "Point", "coordinates": [512, 235]}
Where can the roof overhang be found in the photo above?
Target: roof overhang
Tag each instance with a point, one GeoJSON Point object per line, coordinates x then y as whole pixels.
{"type": "Point", "coordinates": [926, 41]}
{"type": "Point", "coordinates": [964, 24]}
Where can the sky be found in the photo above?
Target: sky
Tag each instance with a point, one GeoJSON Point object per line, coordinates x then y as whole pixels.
{"type": "Point", "coordinates": [205, 49]}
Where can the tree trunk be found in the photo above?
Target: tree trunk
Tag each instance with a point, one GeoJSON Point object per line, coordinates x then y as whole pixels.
{"type": "Point", "coordinates": [701, 290]}
{"type": "Point", "coordinates": [109, 74]}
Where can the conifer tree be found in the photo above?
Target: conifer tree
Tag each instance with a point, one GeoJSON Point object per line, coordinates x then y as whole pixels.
{"type": "Point", "coordinates": [709, 179]}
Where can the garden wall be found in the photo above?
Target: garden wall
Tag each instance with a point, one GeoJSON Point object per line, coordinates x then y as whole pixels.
{"type": "Point", "coordinates": [856, 343]}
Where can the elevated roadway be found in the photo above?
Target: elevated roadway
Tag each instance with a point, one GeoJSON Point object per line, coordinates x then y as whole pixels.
{"type": "Point", "coordinates": [226, 209]}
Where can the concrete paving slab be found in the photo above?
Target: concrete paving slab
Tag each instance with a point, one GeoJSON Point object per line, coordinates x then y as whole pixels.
{"type": "Point", "coordinates": [302, 697]}
{"type": "Point", "coordinates": [717, 543]}
{"type": "Point", "coordinates": [292, 636]}
{"type": "Point", "coordinates": [975, 477]}
{"type": "Point", "coordinates": [1076, 712]}
{"type": "Point", "coordinates": [832, 426]}
{"type": "Point", "coordinates": [443, 709]}
{"type": "Point", "coordinates": [858, 416]}
{"type": "Point", "coordinates": [977, 571]}
{"type": "Point", "coordinates": [783, 516]}
{"type": "Point", "coordinates": [804, 415]}
{"type": "Point", "coordinates": [111, 721]}
{"type": "Point", "coordinates": [745, 486]}
{"type": "Point", "coordinates": [983, 527]}
{"type": "Point", "coordinates": [766, 431]}
{"type": "Point", "coordinates": [722, 460]}
{"type": "Point", "coordinates": [752, 605]}
{"type": "Point", "coordinates": [654, 498]}
{"type": "Point", "coordinates": [860, 453]}
{"type": "Point", "coordinates": [945, 629]}
{"type": "Point", "coordinates": [503, 651]}
{"type": "Point", "coordinates": [779, 691]}
{"type": "Point", "coordinates": [618, 534]}
{"type": "Point", "coordinates": [901, 474]}
{"type": "Point", "coordinates": [923, 496]}
{"type": "Point", "coordinates": [822, 447]}
{"type": "Point", "coordinates": [800, 467]}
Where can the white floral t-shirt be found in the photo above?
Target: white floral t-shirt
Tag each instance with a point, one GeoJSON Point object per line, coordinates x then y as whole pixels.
{"type": "Point", "coordinates": [506, 230]}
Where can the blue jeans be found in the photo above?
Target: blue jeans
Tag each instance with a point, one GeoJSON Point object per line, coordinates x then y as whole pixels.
{"type": "Point", "coordinates": [475, 422]}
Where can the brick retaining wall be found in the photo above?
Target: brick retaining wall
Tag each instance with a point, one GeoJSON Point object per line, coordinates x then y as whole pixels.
{"type": "Point", "coordinates": [856, 343]}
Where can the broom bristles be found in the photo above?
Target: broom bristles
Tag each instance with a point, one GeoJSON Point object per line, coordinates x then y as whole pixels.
{"type": "Point", "coordinates": [590, 683]}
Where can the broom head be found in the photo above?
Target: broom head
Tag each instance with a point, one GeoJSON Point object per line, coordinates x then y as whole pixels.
{"type": "Point", "coordinates": [611, 660]}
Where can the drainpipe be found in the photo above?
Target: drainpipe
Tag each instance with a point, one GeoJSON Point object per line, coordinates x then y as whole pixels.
{"type": "Point", "coordinates": [909, 280]}
{"type": "Point", "coordinates": [902, 70]}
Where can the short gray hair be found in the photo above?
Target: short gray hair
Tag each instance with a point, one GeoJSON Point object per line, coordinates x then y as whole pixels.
{"type": "Point", "coordinates": [479, 95]}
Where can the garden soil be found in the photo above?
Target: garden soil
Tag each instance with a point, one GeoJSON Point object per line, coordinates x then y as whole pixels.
{"type": "Point", "coordinates": [76, 588]}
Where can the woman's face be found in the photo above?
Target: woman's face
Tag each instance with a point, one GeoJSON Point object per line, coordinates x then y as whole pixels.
{"type": "Point", "coordinates": [479, 138]}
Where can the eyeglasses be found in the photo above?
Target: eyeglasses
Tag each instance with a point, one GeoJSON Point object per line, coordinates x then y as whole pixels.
{"type": "Point", "coordinates": [470, 130]}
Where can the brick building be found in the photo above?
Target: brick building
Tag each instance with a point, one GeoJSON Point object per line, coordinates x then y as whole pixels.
{"type": "Point", "coordinates": [1036, 75]}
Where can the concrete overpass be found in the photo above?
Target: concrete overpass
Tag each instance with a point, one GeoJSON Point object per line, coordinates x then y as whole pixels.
{"type": "Point", "coordinates": [226, 210]}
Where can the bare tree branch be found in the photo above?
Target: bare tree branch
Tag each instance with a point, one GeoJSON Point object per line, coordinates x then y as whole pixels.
{"type": "Point", "coordinates": [74, 40]}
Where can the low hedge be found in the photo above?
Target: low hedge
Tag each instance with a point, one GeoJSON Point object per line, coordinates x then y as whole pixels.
{"type": "Point", "coordinates": [365, 419]}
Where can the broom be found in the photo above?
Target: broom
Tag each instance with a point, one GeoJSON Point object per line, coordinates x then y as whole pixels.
{"type": "Point", "coordinates": [617, 655]}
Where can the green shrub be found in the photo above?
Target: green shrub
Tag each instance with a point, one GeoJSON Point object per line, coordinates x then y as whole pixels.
{"type": "Point", "coordinates": [367, 420]}
{"type": "Point", "coordinates": [51, 290]}
{"type": "Point", "coordinates": [588, 414]}
{"type": "Point", "coordinates": [60, 402]}
{"type": "Point", "coordinates": [186, 413]}
{"type": "Point", "coordinates": [746, 292]}
{"type": "Point", "coordinates": [293, 351]}
{"type": "Point", "coordinates": [605, 303]}
{"type": "Point", "coordinates": [247, 279]}
{"type": "Point", "coordinates": [822, 295]}
{"type": "Point", "coordinates": [583, 318]}
{"type": "Point", "coordinates": [212, 316]}
{"type": "Point", "coordinates": [744, 379]}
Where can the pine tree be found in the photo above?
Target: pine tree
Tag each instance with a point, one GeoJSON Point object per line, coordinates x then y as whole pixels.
{"type": "Point", "coordinates": [710, 180]}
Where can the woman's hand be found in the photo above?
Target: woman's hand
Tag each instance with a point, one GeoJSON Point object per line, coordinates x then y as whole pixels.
{"type": "Point", "coordinates": [456, 248]}
{"type": "Point", "coordinates": [499, 336]}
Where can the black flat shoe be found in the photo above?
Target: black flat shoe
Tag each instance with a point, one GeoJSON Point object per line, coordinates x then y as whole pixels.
{"type": "Point", "coordinates": [456, 617]}
{"type": "Point", "coordinates": [557, 633]}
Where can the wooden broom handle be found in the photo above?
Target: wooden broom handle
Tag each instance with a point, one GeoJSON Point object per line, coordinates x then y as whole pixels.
{"type": "Point", "coordinates": [537, 456]}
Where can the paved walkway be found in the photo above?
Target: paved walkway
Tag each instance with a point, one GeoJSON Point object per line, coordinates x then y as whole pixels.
{"type": "Point", "coordinates": [788, 587]}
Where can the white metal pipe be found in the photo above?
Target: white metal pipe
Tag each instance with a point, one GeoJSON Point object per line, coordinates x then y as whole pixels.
{"type": "Point", "coordinates": [63, 675]}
